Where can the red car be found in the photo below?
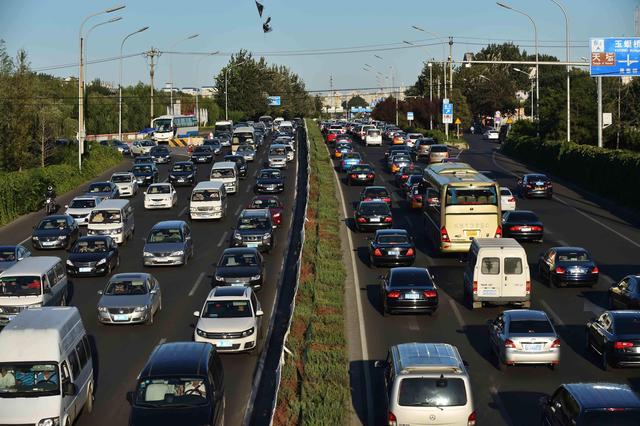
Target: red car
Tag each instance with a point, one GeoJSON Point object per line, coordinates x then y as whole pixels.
{"type": "Point", "coordinates": [272, 202]}
{"type": "Point", "coordinates": [332, 135]}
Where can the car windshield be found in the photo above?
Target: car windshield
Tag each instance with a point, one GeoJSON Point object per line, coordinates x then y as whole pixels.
{"type": "Point", "coordinates": [627, 324]}
{"type": "Point", "coordinates": [222, 173]}
{"type": "Point", "coordinates": [171, 392]}
{"type": "Point", "coordinates": [457, 196]}
{"type": "Point", "coordinates": [620, 417]}
{"type": "Point", "coordinates": [182, 168]}
{"type": "Point", "coordinates": [505, 191]}
{"type": "Point", "coordinates": [373, 133]}
{"type": "Point", "coordinates": [227, 309]}
{"type": "Point", "coordinates": [105, 216]}
{"type": "Point", "coordinates": [246, 259]}
{"type": "Point", "coordinates": [529, 326]}
{"type": "Point", "coordinates": [278, 151]}
{"type": "Point", "coordinates": [145, 168]}
{"type": "Point", "coordinates": [376, 193]}
{"type": "Point", "coordinates": [439, 148]}
{"type": "Point", "coordinates": [125, 287]}
{"type": "Point", "coordinates": [99, 187]}
{"type": "Point", "coordinates": [204, 149]}
{"type": "Point", "coordinates": [432, 392]}
{"type": "Point", "coordinates": [82, 204]}
{"type": "Point", "coordinates": [393, 239]}
{"type": "Point", "coordinates": [205, 195]}
{"type": "Point", "coordinates": [255, 223]}
{"type": "Point", "coordinates": [20, 286]}
{"type": "Point", "coordinates": [212, 143]}
{"type": "Point", "coordinates": [270, 174]}
{"type": "Point", "coordinates": [29, 380]}
{"type": "Point", "coordinates": [573, 256]}
{"type": "Point", "coordinates": [163, 124]}
{"type": "Point", "coordinates": [522, 217]}
{"type": "Point", "coordinates": [120, 178]}
{"type": "Point", "coordinates": [261, 203]}
{"type": "Point", "coordinates": [169, 235]}
{"type": "Point", "coordinates": [159, 189]}
{"type": "Point", "coordinates": [90, 246]}
{"type": "Point", "coordinates": [374, 209]}
{"type": "Point", "coordinates": [46, 224]}
{"type": "Point", "coordinates": [159, 150]}
{"type": "Point", "coordinates": [148, 143]}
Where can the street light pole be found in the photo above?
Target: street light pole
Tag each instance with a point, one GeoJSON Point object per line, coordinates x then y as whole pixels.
{"type": "Point", "coordinates": [120, 82]}
{"type": "Point", "coordinates": [430, 65]}
{"type": "Point", "coordinates": [86, 40]}
{"type": "Point", "coordinates": [566, 35]}
{"type": "Point", "coordinates": [81, 127]}
{"type": "Point", "coordinates": [192, 36]}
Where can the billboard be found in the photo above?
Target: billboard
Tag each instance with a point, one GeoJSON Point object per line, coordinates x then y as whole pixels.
{"type": "Point", "coordinates": [615, 56]}
{"type": "Point", "coordinates": [273, 100]}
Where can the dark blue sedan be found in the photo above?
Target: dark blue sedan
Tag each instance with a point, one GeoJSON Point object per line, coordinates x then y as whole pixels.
{"type": "Point", "coordinates": [568, 265]}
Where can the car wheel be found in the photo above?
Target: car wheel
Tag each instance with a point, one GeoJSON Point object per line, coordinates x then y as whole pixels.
{"type": "Point", "coordinates": [150, 319]}
{"type": "Point", "coordinates": [88, 406]}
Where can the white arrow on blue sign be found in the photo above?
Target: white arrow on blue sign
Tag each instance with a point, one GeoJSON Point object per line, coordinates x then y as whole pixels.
{"type": "Point", "coordinates": [447, 113]}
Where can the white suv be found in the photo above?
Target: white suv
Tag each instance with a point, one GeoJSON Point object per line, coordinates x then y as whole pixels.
{"type": "Point", "coordinates": [126, 183]}
{"type": "Point", "coordinates": [230, 319]}
{"type": "Point", "coordinates": [80, 208]}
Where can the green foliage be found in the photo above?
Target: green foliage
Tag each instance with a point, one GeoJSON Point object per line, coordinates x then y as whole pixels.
{"type": "Point", "coordinates": [357, 101]}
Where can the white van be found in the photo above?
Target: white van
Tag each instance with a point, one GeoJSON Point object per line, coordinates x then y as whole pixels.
{"type": "Point", "coordinates": [113, 218]}
{"type": "Point", "coordinates": [47, 358]}
{"type": "Point", "coordinates": [373, 137]}
{"type": "Point", "coordinates": [227, 173]}
{"type": "Point", "coordinates": [33, 282]}
{"type": "Point", "coordinates": [497, 272]}
{"type": "Point", "coordinates": [208, 201]}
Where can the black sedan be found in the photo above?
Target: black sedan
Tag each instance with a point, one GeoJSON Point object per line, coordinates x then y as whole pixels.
{"type": "Point", "coordinates": [522, 225]}
{"type": "Point", "coordinates": [360, 173]}
{"type": "Point", "coordinates": [55, 232]}
{"type": "Point", "coordinates": [143, 159]}
{"type": "Point", "coordinates": [535, 185]}
{"type": "Point", "coordinates": [408, 289]}
{"type": "Point", "coordinates": [241, 164]}
{"type": "Point", "coordinates": [240, 266]}
{"type": "Point", "coordinates": [403, 174]}
{"type": "Point", "coordinates": [615, 337]}
{"type": "Point", "coordinates": [93, 255]}
{"type": "Point", "coordinates": [376, 193]}
{"type": "Point", "coordinates": [202, 154]}
{"type": "Point", "coordinates": [145, 174]}
{"type": "Point", "coordinates": [183, 173]}
{"type": "Point", "coordinates": [626, 293]}
{"type": "Point", "coordinates": [372, 215]}
{"type": "Point", "coordinates": [392, 247]}
{"type": "Point", "coordinates": [568, 265]}
{"type": "Point", "coordinates": [269, 181]}
{"type": "Point", "coordinates": [160, 155]}
{"type": "Point", "coordinates": [215, 145]}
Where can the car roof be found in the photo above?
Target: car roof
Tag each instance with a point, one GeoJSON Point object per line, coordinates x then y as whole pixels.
{"type": "Point", "coordinates": [169, 224]}
{"type": "Point", "coordinates": [224, 165]}
{"type": "Point", "coordinates": [255, 212]}
{"type": "Point", "coordinates": [393, 231]}
{"type": "Point", "coordinates": [178, 358]}
{"type": "Point", "coordinates": [603, 395]}
{"type": "Point", "coordinates": [229, 291]}
{"type": "Point", "coordinates": [526, 314]}
{"type": "Point", "coordinates": [422, 357]}
{"type": "Point", "coordinates": [240, 250]}
{"type": "Point", "coordinates": [567, 249]}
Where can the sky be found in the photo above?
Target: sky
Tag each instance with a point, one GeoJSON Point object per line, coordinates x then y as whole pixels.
{"type": "Point", "coordinates": [315, 30]}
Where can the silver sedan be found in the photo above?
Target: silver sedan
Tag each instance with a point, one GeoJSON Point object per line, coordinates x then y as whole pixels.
{"type": "Point", "coordinates": [129, 298]}
{"type": "Point", "coordinates": [524, 336]}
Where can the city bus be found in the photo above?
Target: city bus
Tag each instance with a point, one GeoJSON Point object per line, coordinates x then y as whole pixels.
{"type": "Point", "coordinates": [167, 127]}
{"type": "Point", "coordinates": [460, 204]}
{"type": "Point", "coordinates": [223, 126]}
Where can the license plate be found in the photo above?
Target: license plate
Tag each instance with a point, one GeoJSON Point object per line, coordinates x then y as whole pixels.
{"type": "Point", "coordinates": [121, 317]}
{"type": "Point", "coordinates": [374, 219]}
{"type": "Point", "coordinates": [161, 260]}
{"type": "Point", "coordinates": [525, 229]}
{"type": "Point", "coordinates": [85, 269]}
{"type": "Point", "coordinates": [237, 284]}
{"type": "Point", "coordinates": [412, 296]}
{"type": "Point", "coordinates": [394, 252]}
{"type": "Point", "coordinates": [47, 243]}
{"type": "Point", "coordinates": [489, 292]}
{"type": "Point", "coordinates": [224, 343]}
{"type": "Point", "coordinates": [473, 234]}
{"type": "Point", "coordinates": [362, 176]}
{"type": "Point", "coordinates": [252, 245]}
{"type": "Point", "coordinates": [533, 347]}
{"type": "Point", "coordinates": [180, 179]}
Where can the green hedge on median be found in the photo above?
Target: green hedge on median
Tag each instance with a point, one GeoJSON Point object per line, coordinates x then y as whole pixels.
{"type": "Point", "coordinates": [610, 173]}
{"type": "Point", "coordinates": [22, 192]}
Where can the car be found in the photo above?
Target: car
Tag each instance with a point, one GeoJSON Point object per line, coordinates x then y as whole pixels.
{"type": "Point", "coordinates": [160, 154]}
{"type": "Point", "coordinates": [625, 294]}
{"type": "Point", "coordinates": [524, 336]}
{"type": "Point", "coordinates": [417, 196]}
{"type": "Point", "coordinates": [145, 174]}
{"type": "Point", "coordinates": [103, 190]}
{"type": "Point", "coordinates": [507, 200]}
{"type": "Point", "coordinates": [55, 232]}
{"type": "Point", "coordinates": [10, 255]}
{"type": "Point", "coordinates": [360, 173]}
{"type": "Point", "coordinates": [269, 181]}
{"type": "Point", "coordinates": [225, 138]}
{"type": "Point", "coordinates": [271, 202]}
{"type": "Point", "coordinates": [202, 154]}
{"type": "Point", "coordinates": [376, 193]}
{"type": "Point", "coordinates": [168, 243]}
{"type": "Point", "coordinates": [373, 137]}
{"type": "Point", "coordinates": [130, 298]}
{"type": "Point", "coordinates": [93, 255]}
{"type": "Point", "coordinates": [535, 185]}
{"type": "Point", "coordinates": [372, 215]}
{"type": "Point", "coordinates": [491, 135]}
{"type": "Point", "coordinates": [80, 208]}
{"type": "Point", "coordinates": [398, 139]}
{"type": "Point", "coordinates": [411, 139]}
{"type": "Point", "coordinates": [247, 151]}
{"type": "Point", "coordinates": [411, 181]}
{"type": "Point", "coordinates": [254, 229]}
{"type": "Point", "coordinates": [395, 150]}
{"type": "Point", "coordinates": [341, 149]}
{"type": "Point", "coordinates": [122, 147]}
{"type": "Point", "coordinates": [408, 289]}
{"type": "Point", "coordinates": [615, 337]}
{"type": "Point", "coordinates": [591, 404]}
{"type": "Point", "coordinates": [215, 145]}
{"type": "Point", "coordinates": [348, 160]}
{"type": "Point", "coordinates": [404, 172]}
{"type": "Point", "coordinates": [240, 266]}
{"type": "Point", "coordinates": [392, 247]}
{"type": "Point", "coordinates": [230, 319]}
{"type": "Point", "coordinates": [331, 135]}
{"type": "Point", "coordinates": [126, 183]}
{"type": "Point", "coordinates": [398, 161]}
{"type": "Point", "coordinates": [241, 164]}
{"type": "Point", "coordinates": [142, 147]}
{"type": "Point", "coordinates": [560, 266]}
{"type": "Point", "coordinates": [160, 196]}
{"type": "Point", "coordinates": [183, 173]}
{"type": "Point", "coordinates": [420, 150]}
{"type": "Point", "coordinates": [438, 153]}
{"type": "Point", "coordinates": [522, 225]}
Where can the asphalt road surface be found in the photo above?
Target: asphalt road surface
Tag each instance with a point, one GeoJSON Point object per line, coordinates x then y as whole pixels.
{"type": "Point", "coordinates": [121, 351]}
{"type": "Point", "coordinates": [509, 397]}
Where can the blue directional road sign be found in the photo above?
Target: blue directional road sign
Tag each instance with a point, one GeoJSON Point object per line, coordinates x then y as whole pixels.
{"type": "Point", "coordinates": [615, 56]}
{"type": "Point", "coordinates": [447, 113]}
{"type": "Point", "coordinates": [273, 100]}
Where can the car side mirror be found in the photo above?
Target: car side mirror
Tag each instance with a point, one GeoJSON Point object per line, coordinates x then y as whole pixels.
{"type": "Point", "coordinates": [196, 314]}
{"type": "Point", "coordinates": [259, 313]}
{"type": "Point", "coordinates": [68, 388]}
{"type": "Point", "coordinates": [154, 291]}
{"type": "Point", "coordinates": [66, 206]}
{"type": "Point", "coordinates": [100, 292]}
{"type": "Point", "coordinates": [130, 397]}
{"type": "Point", "coordinates": [380, 364]}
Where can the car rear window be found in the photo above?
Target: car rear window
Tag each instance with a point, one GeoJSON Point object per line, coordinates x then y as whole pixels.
{"type": "Point", "coordinates": [530, 326]}
{"type": "Point", "coordinates": [627, 324]}
{"type": "Point", "coordinates": [574, 256]}
{"type": "Point", "coordinates": [432, 392]}
{"type": "Point", "coordinates": [380, 209]}
{"type": "Point", "coordinates": [512, 265]}
{"type": "Point", "coordinates": [522, 217]}
{"type": "Point", "coordinates": [490, 266]}
{"type": "Point", "coordinates": [393, 239]}
{"type": "Point", "coordinates": [439, 148]}
{"type": "Point", "coordinates": [414, 278]}
{"type": "Point", "coordinates": [376, 193]}
{"type": "Point", "coordinates": [626, 417]}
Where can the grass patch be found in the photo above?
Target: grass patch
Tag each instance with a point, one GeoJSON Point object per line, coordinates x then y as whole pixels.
{"type": "Point", "coordinates": [314, 387]}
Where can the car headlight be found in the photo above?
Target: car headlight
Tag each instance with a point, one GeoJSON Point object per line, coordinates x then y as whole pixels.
{"type": "Point", "coordinates": [200, 332]}
{"type": "Point", "coordinates": [102, 309]}
{"type": "Point", "coordinates": [116, 231]}
{"type": "Point", "coordinates": [248, 332]}
{"type": "Point", "coordinates": [255, 277]}
{"type": "Point", "coordinates": [101, 261]}
{"type": "Point", "coordinates": [70, 263]}
{"type": "Point", "coordinates": [63, 237]}
{"type": "Point", "coordinates": [51, 421]}
{"type": "Point", "coordinates": [34, 238]}
{"type": "Point", "coordinates": [190, 176]}
{"type": "Point", "coordinates": [172, 177]}
{"type": "Point", "coordinates": [237, 236]}
{"type": "Point", "coordinates": [266, 237]}
{"type": "Point", "coordinates": [219, 278]}
{"type": "Point", "coordinates": [35, 305]}
{"type": "Point", "coordinates": [177, 253]}
{"type": "Point", "coordinates": [147, 254]}
{"type": "Point", "coordinates": [141, 308]}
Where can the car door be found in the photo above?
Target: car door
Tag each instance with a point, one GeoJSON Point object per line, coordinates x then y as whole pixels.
{"type": "Point", "coordinates": [601, 329]}
{"type": "Point", "coordinates": [495, 332]}
{"type": "Point", "coordinates": [619, 294]}
{"type": "Point", "coordinates": [256, 307]}
{"type": "Point", "coordinates": [514, 276]}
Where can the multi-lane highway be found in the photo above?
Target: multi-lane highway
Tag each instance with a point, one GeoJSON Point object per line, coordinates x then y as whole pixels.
{"type": "Point", "coordinates": [121, 351]}
{"type": "Point", "coordinates": [509, 397]}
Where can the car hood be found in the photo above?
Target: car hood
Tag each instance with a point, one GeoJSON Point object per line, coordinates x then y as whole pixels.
{"type": "Point", "coordinates": [268, 181]}
{"type": "Point", "coordinates": [163, 247]}
{"type": "Point", "coordinates": [100, 194]}
{"type": "Point", "coordinates": [182, 173]}
{"type": "Point", "coordinates": [87, 257]}
{"type": "Point", "coordinates": [223, 325]}
{"type": "Point", "coordinates": [124, 301]}
{"type": "Point", "coordinates": [72, 210]}
{"type": "Point", "coordinates": [142, 173]}
{"type": "Point", "coordinates": [192, 416]}
{"type": "Point", "coordinates": [277, 157]}
{"type": "Point", "coordinates": [247, 232]}
{"type": "Point", "coordinates": [202, 154]}
{"type": "Point", "coordinates": [51, 232]}
{"type": "Point", "coordinates": [25, 410]}
{"type": "Point", "coordinates": [160, 154]}
{"type": "Point", "coordinates": [157, 196]}
{"type": "Point", "coordinates": [123, 184]}
{"type": "Point", "coordinates": [237, 271]}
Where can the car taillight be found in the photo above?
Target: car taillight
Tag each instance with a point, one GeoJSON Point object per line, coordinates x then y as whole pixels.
{"type": "Point", "coordinates": [511, 200]}
{"type": "Point", "coordinates": [354, 176]}
{"type": "Point", "coordinates": [386, 199]}
{"type": "Point", "coordinates": [362, 219]}
{"type": "Point", "coordinates": [471, 420]}
{"type": "Point", "coordinates": [370, 176]}
{"type": "Point", "coordinates": [475, 287]}
{"type": "Point", "coordinates": [430, 293]}
{"type": "Point", "coordinates": [409, 252]}
{"type": "Point", "coordinates": [528, 287]}
{"type": "Point", "coordinates": [444, 236]}
{"type": "Point", "coordinates": [509, 344]}
{"type": "Point", "coordinates": [395, 294]}
{"type": "Point", "coordinates": [529, 185]}
{"type": "Point", "coordinates": [536, 228]}
{"type": "Point", "coordinates": [417, 198]}
{"type": "Point", "coordinates": [615, 409]}
{"type": "Point", "coordinates": [622, 345]}
{"type": "Point", "coordinates": [560, 270]}
{"type": "Point", "coordinates": [556, 343]}
{"type": "Point", "coordinates": [377, 252]}
{"type": "Point", "coordinates": [515, 228]}
{"type": "Point", "coordinates": [498, 232]}
{"type": "Point", "coordinates": [595, 270]}
{"type": "Point", "coordinates": [392, 419]}
{"type": "Point", "coordinates": [388, 219]}
{"type": "Point", "coordinates": [404, 177]}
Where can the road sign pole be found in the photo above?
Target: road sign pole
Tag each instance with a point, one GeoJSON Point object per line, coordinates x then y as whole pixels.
{"type": "Point", "coordinates": [600, 145]}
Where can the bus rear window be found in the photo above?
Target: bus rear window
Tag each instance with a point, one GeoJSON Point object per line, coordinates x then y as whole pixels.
{"type": "Point", "coordinates": [471, 196]}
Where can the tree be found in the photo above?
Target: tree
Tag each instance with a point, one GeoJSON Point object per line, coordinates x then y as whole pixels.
{"type": "Point", "coordinates": [357, 101]}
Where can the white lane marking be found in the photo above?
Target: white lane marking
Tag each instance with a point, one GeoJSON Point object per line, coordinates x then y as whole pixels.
{"type": "Point", "coordinates": [356, 282]}
{"type": "Point", "coordinates": [457, 313]}
{"type": "Point", "coordinates": [197, 283]}
{"type": "Point", "coordinates": [551, 312]}
{"type": "Point", "coordinates": [498, 401]}
{"type": "Point", "coordinates": [238, 209]}
{"type": "Point", "coordinates": [413, 323]}
{"type": "Point", "coordinates": [589, 306]}
{"type": "Point", "coordinates": [563, 243]}
{"type": "Point", "coordinates": [248, 188]}
{"type": "Point", "coordinates": [183, 211]}
{"type": "Point", "coordinates": [223, 238]}
{"type": "Point", "coordinates": [560, 200]}
{"type": "Point", "coordinates": [25, 240]}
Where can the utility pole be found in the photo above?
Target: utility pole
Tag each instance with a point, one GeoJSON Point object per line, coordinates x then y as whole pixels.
{"type": "Point", "coordinates": [451, 65]}
{"type": "Point", "coordinates": [430, 95]}
{"type": "Point", "coordinates": [332, 95]}
{"type": "Point", "coordinates": [619, 120]}
{"type": "Point", "coordinates": [151, 55]}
